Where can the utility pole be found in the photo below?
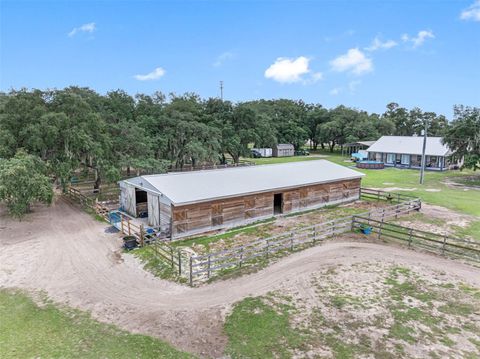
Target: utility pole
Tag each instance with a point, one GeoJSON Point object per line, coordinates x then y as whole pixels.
{"type": "Point", "coordinates": [221, 90]}
{"type": "Point", "coordinates": [422, 170]}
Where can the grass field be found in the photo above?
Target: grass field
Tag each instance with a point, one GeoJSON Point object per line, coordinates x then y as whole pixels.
{"type": "Point", "coordinates": [433, 191]}
{"type": "Point", "coordinates": [28, 330]}
{"type": "Point", "coordinates": [378, 312]}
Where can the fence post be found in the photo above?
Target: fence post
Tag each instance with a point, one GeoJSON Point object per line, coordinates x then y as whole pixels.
{"type": "Point", "coordinates": [353, 224]}
{"type": "Point", "coordinates": [444, 244]}
{"type": "Point", "coordinates": [171, 255]}
{"type": "Point", "coordinates": [380, 230]}
{"type": "Point", "coordinates": [191, 272]}
{"type": "Point", "coordinates": [208, 267]}
{"type": "Point", "coordinates": [314, 233]}
{"type": "Point", "coordinates": [410, 237]}
{"type": "Point", "coordinates": [129, 230]}
{"type": "Point", "coordinates": [179, 263]}
{"type": "Point", "coordinates": [142, 234]}
{"type": "Point", "coordinates": [291, 242]}
{"type": "Point", "coordinates": [121, 223]}
{"type": "Point", "coordinates": [266, 248]}
{"type": "Point", "coordinates": [241, 257]}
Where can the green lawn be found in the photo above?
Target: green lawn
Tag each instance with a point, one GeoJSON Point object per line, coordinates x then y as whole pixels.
{"type": "Point", "coordinates": [456, 199]}
{"type": "Point", "coordinates": [31, 331]}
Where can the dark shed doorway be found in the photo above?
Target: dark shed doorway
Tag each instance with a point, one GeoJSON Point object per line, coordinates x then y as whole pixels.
{"type": "Point", "coordinates": [141, 203]}
{"type": "Point", "coordinates": [278, 203]}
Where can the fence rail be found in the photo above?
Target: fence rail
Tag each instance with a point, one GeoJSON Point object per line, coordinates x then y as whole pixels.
{"type": "Point", "coordinates": [438, 243]}
{"type": "Point", "coordinates": [204, 267]}
{"type": "Point", "coordinates": [384, 195]}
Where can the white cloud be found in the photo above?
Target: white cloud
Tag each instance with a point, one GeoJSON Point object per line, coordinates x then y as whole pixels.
{"type": "Point", "coordinates": [378, 44]}
{"type": "Point", "coordinates": [154, 75]}
{"type": "Point", "coordinates": [353, 61]}
{"type": "Point", "coordinates": [223, 57]}
{"type": "Point", "coordinates": [335, 91]}
{"type": "Point", "coordinates": [286, 70]}
{"type": "Point", "coordinates": [420, 38]}
{"type": "Point", "coordinates": [90, 27]}
{"type": "Point", "coordinates": [472, 12]}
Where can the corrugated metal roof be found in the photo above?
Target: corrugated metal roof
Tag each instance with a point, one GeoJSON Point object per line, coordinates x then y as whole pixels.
{"type": "Point", "coordinates": [199, 186]}
{"type": "Point", "coordinates": [410, 145]}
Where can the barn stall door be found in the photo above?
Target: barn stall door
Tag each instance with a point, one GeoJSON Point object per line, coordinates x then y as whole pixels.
{"type": "Point", "coordinates": [129, 203]}
{"type": "Point", "coordinates": [153, 206]}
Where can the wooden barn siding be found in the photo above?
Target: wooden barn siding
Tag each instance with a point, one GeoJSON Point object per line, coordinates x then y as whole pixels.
{"type": "Point", "coordinates": [202, 217]}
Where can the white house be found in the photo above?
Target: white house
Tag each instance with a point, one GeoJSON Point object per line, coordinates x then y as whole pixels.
{"type": "Point", "coordinates": [406, 152]}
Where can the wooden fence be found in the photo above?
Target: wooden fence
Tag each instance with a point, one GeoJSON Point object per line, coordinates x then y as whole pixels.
{"type": "Point", "coordinates": [369, 193]}
{"type": "Point", "coordinates": [204, 267]}
{"type": "Point", "coordinates": [437, 243]}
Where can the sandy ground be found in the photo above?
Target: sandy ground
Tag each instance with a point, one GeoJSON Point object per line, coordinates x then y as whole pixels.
{"type": "Point", "coordinates": [65, 253]}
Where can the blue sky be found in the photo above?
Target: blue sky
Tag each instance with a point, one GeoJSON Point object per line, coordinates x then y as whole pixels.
{"type": "Point", "coordinates": [363, 54]}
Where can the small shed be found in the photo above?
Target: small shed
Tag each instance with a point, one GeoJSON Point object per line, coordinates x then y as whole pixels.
{"type": "Point", "coordinates": [190, 203]}
{"type": "Point", "coordinates": [283, 150]}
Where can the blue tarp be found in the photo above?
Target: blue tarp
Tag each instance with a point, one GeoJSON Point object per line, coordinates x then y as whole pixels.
{"type": "Point", "coordinates": [359, 156]}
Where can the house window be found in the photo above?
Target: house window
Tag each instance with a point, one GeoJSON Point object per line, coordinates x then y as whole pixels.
{"type": "Point", "coordinates": [390, 158]}
{"type": "Point", "coordinates": [406, 160]}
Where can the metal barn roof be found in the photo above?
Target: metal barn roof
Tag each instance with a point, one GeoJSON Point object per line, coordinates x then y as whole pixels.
{"type": "Point", "coordinates": [198, 186]}
{"type": "Point", "coordinates": [410, 145]}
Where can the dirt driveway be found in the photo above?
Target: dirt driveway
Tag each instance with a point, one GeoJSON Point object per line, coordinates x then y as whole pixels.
{"type": "Point", "coordinates": [65, 253]}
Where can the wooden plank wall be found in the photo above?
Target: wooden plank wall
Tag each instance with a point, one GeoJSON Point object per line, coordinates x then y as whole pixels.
{"type": "Point", "coordinates": [202, 217]}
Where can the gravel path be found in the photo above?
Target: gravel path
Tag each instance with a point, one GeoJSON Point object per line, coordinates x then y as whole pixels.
{"type": "Point", "coordinates": [65, 253]}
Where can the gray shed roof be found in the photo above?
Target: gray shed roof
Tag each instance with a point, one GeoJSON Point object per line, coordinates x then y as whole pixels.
{"type": "Point", "coordinates": [199, 186]}
{"type": "Point", "coordinates": [410, 145]}
{"type": "Point", "coordinates": [285, 146]}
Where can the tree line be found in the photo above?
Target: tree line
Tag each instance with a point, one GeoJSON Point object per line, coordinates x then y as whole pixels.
{"type": "Point", "coordinates": [73, 127]}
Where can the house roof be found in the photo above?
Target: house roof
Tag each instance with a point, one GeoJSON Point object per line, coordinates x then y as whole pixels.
{"type": "Point", "coordinates": [200, 186]}
{"type": "Point", "coordinates": [364, 143]}
{"type": "Point", "coordinates": [410, 145]}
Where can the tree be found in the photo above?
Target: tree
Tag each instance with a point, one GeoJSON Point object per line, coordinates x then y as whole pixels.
{"type": "Point", "coordinates": [463, 136]}
{"type": "Point", "coordinates": [23, 181]}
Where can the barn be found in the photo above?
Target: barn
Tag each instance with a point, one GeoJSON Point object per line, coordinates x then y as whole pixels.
{"type": "Point", "coordinates": [184, 204]}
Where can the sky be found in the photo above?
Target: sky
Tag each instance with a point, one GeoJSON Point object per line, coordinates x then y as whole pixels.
{"type": "Point", "coordinates": [362, 54]}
